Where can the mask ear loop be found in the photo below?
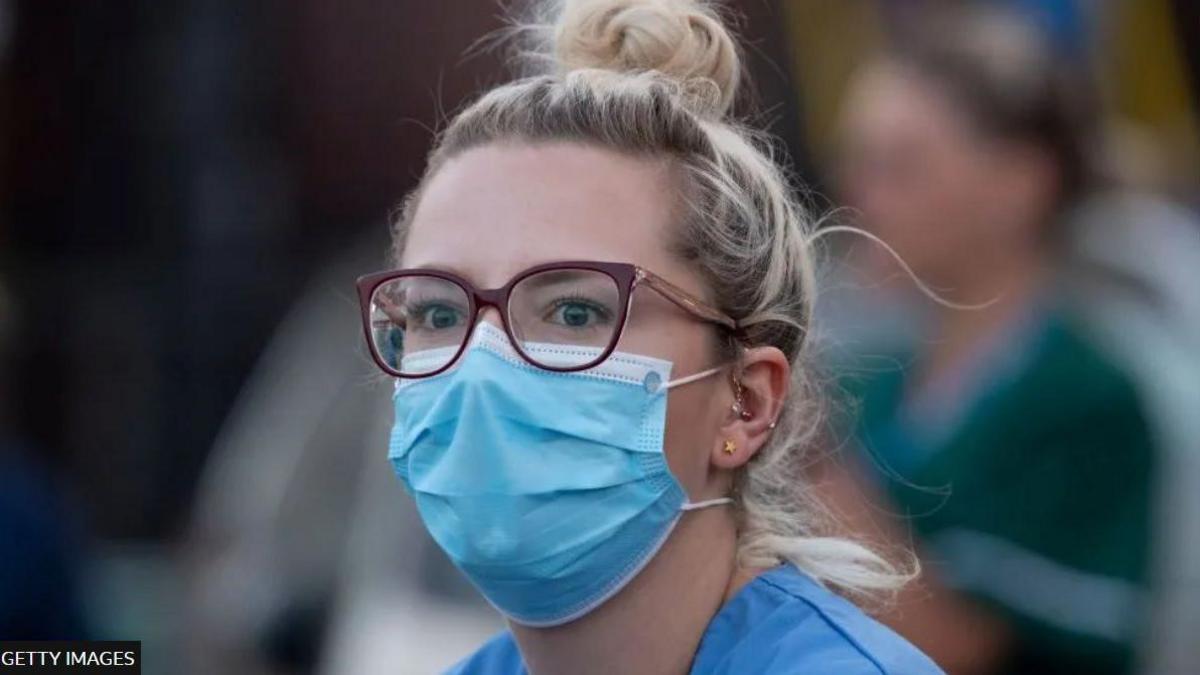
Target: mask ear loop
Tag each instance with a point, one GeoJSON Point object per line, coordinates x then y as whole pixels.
{"type": "Point", "coordinates": [692, 378]}
{"type": "Point", "coordinates": [692, 506]}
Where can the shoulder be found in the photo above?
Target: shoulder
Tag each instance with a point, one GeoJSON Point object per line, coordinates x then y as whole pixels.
{"type": "Point", "coordinates": [498, 656]}
{"type": "Point", "coordinates": [785, 622]}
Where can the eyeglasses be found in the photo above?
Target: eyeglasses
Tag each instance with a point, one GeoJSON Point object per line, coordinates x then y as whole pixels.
{"type": "Point", "coordinates": [560, 316]}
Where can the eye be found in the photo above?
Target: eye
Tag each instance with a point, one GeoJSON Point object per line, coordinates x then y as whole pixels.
{"type": "Point", "coordinates": [434, 316]}
{"type": "Point", "coordinates": [578, 313]}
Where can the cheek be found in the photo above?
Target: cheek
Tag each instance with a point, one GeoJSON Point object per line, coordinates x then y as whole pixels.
{"type": "Point", "coordinates": [905, 214]}
{"type": "Point", "coordinates": [943, 210]}
{"type": "Point", "coordinates": [905, 200]}
{"type": "Point", "coordinates": [693, 420]}
{"type": "Point", "coordinates": [971, 209]}
{"type": "Point", "coordinates": [659, 329]}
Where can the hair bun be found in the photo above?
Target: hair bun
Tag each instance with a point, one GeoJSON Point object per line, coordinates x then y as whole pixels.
{"type": "Point", "coordinates": [683, 39]}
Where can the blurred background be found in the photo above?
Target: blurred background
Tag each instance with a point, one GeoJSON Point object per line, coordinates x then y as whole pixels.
{"type": "Point", "coordinates": [192, 436]}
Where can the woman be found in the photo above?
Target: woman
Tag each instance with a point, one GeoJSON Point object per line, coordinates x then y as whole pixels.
{"type": "Point", "coordinates": [608, 441]}
{"type": "Point", "coordinates": [1016, 442]}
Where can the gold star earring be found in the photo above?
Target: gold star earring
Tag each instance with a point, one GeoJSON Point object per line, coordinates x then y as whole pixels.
{"type": "Point", "coordinates": [730, 447]}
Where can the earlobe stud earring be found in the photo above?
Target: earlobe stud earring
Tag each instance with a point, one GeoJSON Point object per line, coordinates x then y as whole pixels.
{"type": "Point", "coordinates": [730, 447]}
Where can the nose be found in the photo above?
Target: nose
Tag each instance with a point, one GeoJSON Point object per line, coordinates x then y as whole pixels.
{"type": "Point", "coordinates": [490, 315]}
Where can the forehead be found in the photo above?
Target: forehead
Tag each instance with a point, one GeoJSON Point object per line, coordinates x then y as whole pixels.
{"type": "Point", "coordinates": [498, 209]}
{"type": "Point", "coordinates": [892, 100]}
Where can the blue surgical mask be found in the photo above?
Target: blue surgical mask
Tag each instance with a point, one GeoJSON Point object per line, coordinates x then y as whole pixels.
{"type": "Point", "coordinates": [550, 491]}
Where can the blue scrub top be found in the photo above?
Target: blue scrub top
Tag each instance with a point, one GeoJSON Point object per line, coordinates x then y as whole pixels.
{"type": "Point", "coordinates": [781, 622]}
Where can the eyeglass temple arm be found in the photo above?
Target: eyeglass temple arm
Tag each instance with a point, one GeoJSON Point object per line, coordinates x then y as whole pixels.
{"type": "Point", "coordinates": [684, 300]}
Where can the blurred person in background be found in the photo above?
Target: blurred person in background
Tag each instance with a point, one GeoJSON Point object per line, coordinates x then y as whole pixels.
{"type": "Point", "coordinates": [1011, 436]}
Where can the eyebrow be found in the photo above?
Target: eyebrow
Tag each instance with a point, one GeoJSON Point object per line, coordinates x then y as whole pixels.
{"type": "Point", "coordinates": [441, 267]}
{"type": "Point", "coordinates": [517, 269]}
{"type": "Point", "coordinates": [548, 279]}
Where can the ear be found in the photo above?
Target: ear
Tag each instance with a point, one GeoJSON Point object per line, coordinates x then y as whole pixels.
{"type": "Point", "coordinates": [765, 378]}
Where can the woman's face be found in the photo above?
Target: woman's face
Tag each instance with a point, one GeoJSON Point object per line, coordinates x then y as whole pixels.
{"type": "Point", "coordinates": [496, 210]}
{"type": "Point", "coordinates": [945, 198]}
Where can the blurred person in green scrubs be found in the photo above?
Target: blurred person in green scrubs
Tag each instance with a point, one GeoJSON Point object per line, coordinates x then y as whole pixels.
{"type": "Point", "coordinates": [1013, 446]}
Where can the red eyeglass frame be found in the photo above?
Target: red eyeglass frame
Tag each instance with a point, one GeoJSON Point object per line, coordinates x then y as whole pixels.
{"type": "Point", "coordinates": [627, 277]}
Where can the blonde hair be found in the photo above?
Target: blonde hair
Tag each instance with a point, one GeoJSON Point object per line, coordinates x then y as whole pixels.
{"type": "Point", "coordinates": [657, 79]}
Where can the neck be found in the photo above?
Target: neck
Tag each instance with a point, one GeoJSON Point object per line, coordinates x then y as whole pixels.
{"type": "Point", "coordinates": [1013, 285]}
{"type": "Point", "coordinates": [655, 623]}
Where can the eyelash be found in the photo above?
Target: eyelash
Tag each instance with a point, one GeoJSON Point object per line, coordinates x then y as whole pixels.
{"type": "Point", "coordinates": [421, 306]}
{"type": "Point", "coordinates": [604, 313]}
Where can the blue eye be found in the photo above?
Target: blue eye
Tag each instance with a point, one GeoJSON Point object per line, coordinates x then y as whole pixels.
{"type": "Point", "coordinates": [575, 314]}
{"type": "Point", "coordinates": [443, 317]}
{"type": "Point", "coordinates": [578, 313]}
{"type": "Point", "coordinates": [434, 316]}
